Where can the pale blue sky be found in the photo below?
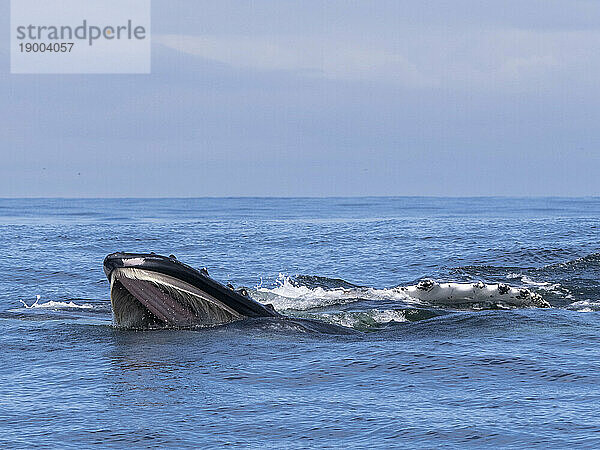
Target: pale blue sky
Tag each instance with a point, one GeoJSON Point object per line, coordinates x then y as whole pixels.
{"type": "Point", "coordinates": [294, 98]}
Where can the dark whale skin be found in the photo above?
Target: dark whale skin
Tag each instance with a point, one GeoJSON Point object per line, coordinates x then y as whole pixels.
{"type": "Point", "coordinates": [170, 266]}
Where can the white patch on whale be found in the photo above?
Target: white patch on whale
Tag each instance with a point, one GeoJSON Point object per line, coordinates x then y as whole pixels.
{"type": "Point", "coordinates": [133, 262]}
{"type": "Point", "coordinates": [474, 295]}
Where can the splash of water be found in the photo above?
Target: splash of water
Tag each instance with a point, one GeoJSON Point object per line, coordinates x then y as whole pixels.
{"type": "Point", "coordinates": [55, 305]}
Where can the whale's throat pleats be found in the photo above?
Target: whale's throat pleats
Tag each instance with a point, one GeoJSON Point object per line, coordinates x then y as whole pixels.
{"type": "Point", "coordinates": [145, 299]}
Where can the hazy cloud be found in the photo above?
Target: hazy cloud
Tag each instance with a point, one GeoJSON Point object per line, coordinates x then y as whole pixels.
{"type": "Point", "coordinates": [462, 58]}
{"type": "Point", "coordinates": [311, 57]}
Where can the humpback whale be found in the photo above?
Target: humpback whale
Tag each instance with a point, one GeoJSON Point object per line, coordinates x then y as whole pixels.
{"type": "Point", "coordinates": [154, 291]}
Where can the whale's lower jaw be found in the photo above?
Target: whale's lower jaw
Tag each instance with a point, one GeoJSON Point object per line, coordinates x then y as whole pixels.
{"type": "Point", "coordinates": [143, 299]}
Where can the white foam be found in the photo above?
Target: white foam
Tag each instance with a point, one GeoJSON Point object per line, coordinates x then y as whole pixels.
{"type": "Point", "coordinates": [389, 315]}
{"type": "Point", "coordinates": [585, 306]}
{"type": "Point", "coordinates": [288, 295]}
{"type": "Point", "coordinates": [359, 319]}
{"type": "Point", "coordinates": [55, 305]}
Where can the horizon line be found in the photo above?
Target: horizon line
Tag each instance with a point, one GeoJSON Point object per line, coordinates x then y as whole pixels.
{"type": "Point", "coordinates": [282, 197]}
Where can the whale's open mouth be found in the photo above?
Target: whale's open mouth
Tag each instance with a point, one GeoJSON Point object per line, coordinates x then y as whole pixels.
{"type": "Point", "coordinates": [152, 291]}
{"type": "Point", "coordinates": [145, 299]}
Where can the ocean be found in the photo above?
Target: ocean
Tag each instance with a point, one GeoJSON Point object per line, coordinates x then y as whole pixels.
{"type": "Point", "coordinates": [413, 373]}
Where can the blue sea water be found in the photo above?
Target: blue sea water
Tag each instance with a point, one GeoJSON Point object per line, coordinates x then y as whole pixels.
{"type": "Point", "coordinates": [413, 375]}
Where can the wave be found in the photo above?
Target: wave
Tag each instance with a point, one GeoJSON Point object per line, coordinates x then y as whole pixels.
{"type": "Point", "coordinates": [363, 320]}
{"type": "Point", "coordinates": [291, 295]}
{"type": "Point", "coordinates": [585, 306]}
{"type": "Point", "coordinates": [587, 261]}
{"type": "Point", "coordinates": [55, 305]}
{"type": "Point", "coordinates": [370, 320]}
{"type": "Point", "coordinates": [555, 288]}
